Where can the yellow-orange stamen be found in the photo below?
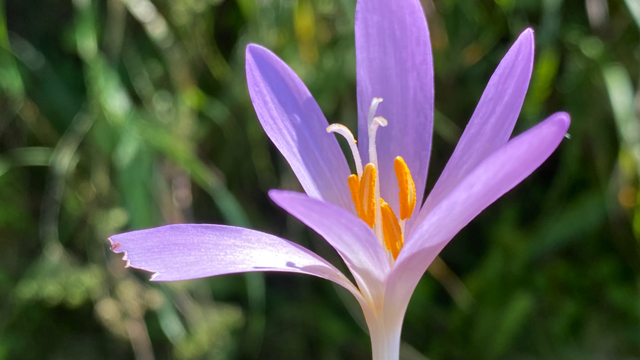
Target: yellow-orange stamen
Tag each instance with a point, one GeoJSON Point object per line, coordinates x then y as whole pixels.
{"type": "Point", "coordinates": [367, 194]}
{"type": "Point", "coordinates": [393, 239]}
{"type": "Point", "coordinates": [407, 188]}
{"type": "Point", "coordinates": [354, 186]}
{"type": "Point", "coordinates": [365, 187]}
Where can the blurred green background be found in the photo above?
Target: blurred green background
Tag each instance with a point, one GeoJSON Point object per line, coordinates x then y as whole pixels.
{"type": "Point", "coordinates": [125, 114]}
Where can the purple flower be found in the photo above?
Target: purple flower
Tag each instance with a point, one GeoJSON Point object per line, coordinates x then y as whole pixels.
{"type": "Point", "coordinates": [356, 213]}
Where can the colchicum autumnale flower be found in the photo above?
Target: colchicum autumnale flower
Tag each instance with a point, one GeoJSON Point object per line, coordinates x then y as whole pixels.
{"type": "Point", "coordinates": [375, 219]}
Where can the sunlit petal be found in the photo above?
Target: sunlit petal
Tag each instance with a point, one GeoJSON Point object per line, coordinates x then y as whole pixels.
{"type": "Point", "coordinates": [292, 119]}
{"type": "Point", "coordinates": [190, 251]}
{"type": "Point", "coordinates": [492, 122]}
{"type": "Point", "coordinates": [393, 55]}
{"type": "Point", "coordinates": [351, 237]}
{"type": "Point", "coordinates": [496, 175]}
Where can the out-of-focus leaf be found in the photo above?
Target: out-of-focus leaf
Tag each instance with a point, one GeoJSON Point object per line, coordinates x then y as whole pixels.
{"type": "Point", "coordinates": [446, 128]}
{"type": "Point", "coordinates": [256, 320]}
{"type": "Point", "coordinates": [4, 166]}
{"type": "Point", "coordinates": [408, 352]}
{"type": "Point", "coordinates": [61, 164]}
{"type": "Point", "coordinates": [54, 97]}
{"type": "Point", "coordinates": [29, 156]}
{"type": "Point", "coordinates": [510, 323]}
{"type": "Point", "coordinates": [166, 142]}
{"type": "Point", "coordinates": [170, 322]}
{"type": "Point", "coordinates": [622, 99]}
{"type": "Point", "coordinates": [621, 96]}
{"type": "Point", "coordinates": [634, 9]}
{"type": "Point", "coordinates": [305, 28]}
{"type": "Point", "coordinates": [59, 280]}
{"type": "Point", "coordinates": [542, 82]}
{"type": "Point", "coordinates": [10, 79]}
{"type": "Point", "coordinates": [568, 225]}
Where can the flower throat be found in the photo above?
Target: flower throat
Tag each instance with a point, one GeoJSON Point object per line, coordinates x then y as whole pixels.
{"type": "Point", "coordinates": [365, 187]}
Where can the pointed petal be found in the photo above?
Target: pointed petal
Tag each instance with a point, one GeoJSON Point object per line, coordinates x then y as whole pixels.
{"type": "Point", "coordinates": [190, 251]}
{"type": "Point", "coordinates": [496, 175]}
{"type": "Point", "coordinates": [352, 238]}
{"type": "Point", "coordinates": [492, 122]}
{"type": "Point", "coordinates": [292, 119]}
{"type": "Point", "coordinates": [393, 55]}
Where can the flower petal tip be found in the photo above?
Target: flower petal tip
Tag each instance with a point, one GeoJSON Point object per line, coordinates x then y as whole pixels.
{"type": "Point", "coordinates": [528, 31]}
{"type": "Point", "coordinates": [274, 192]}
{"type": "Point", "coordinates": [563, 120]}
{"type": "Point", "coordinates": [253, 53]}
{"type": "Point", "coordinates": [117, 248]}
{"type": "Point", "coordinates": [252, 48]}
{"type": "Point", "coordinates": [278, 195]}
{"type": "Point", "coordinates": [114, 245]}
{"type": "Point", "coordinates": [527, 39]}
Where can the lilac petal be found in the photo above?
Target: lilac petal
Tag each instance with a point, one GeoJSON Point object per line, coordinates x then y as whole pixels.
{"type": "Point", "coordinates": [190, 251]}
{"type": "Point", "coordinates": [496, 175]}
{"type": "Point", "coordinates": [492, 122]}
{"type": "Point", "coordinates": [393, 55]}
{"type": "Point", "coordinates": [351, 237]}
{"type": "Point", "coordinates": [292, 119]}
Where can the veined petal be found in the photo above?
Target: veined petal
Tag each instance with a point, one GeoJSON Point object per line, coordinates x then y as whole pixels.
{"type": "Point", "coordinates": [394, 62]}
{"type": "Point", "coordinates": [292, 119]}
{"type": "Point", "coordinates": [190, 251]}
{"type": "Point", "coordinates": [492, 122]}
{"type": "Point", "coordinates": [496, 175]}
{"type": "Point", "coordinates": [352, 238]}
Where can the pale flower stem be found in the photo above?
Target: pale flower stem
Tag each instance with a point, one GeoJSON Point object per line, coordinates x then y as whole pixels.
{"type": "Point", "coordinates": [385, 342]}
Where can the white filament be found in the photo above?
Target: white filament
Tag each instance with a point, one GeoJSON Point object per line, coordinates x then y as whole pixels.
{"type": "Point", "coordinates": [344, 131]}
{"type": "Point", "coordinates": [373, 129]}
{"type": "Point", "coordinates": [375, 122]}
{"type": "Point", "coordinates": [372, 110]}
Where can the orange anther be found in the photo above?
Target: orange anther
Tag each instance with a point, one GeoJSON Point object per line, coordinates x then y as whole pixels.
{"type": "Point", "coordinates": [407, 188]}
{"type": "Point", "coordinates": [354, 186]}
{"type": "Point", "coordinates": [367, 194]}
{"type": "Point", "coordinates": [393, 239]}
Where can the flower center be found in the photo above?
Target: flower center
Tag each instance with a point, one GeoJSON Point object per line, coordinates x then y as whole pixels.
{"type": "Point", "coordinates": [365, 187]}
